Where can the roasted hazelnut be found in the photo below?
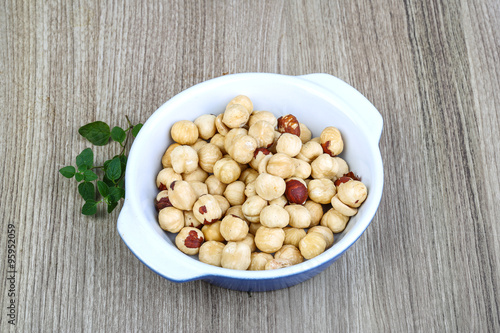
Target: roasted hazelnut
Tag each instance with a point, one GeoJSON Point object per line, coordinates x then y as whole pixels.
{"type": "Point", "coordinates": [190, 220]}
{"type": "Point", "coordinates": [305, 133]}
{"type": "Point", "coordinates": [242, 148]}
{"type": "Point", "coordinates": [252, 207]}
{"type": "Point", "coordinates": [162, 200]}
{"type": "Point", "coordinates": [263, 115]}
{"type": "Point", "coordinates": [321, 190]}
{"type": "Point", "coordinates": [324, 166]}
{"type": "Point", "coordinates": [171, 219]}
{"type": "Point", "coordinates": [312, 245]}
{"type": "Point", "coordinates": [236, 255]}
{"type": "Point", "coordinates": [253, 227]}
{"type": "Point", "coordinates": [331, 141]}
{"type": "Point", "coordinates": [250, 241]}
{"type": "Point", "coordinates": [353, 193]}
{"type": "Point", "coordinates": [263, 133]}
{"type": "Point", "coordinates": [199, 188]}
{"type": "Point", "coordinates": [293, 236]}
{"type": "Point", "coordinates": [334, 220]}
{"type": "Point", "coordinates": [342, 207]}
{"type": "Point", "coordinates": [233, 228]}
{"type": "Point", "coordinates": [296, 191]}
{"type": "Point", "coordinates": [302, 168]}
{"type": "Point", "coordinates": [290, 252]}
{"type": "Point", "coordinates": [207, 210]}
{"type": "Point", "coordinates": [274, 216]}
{"type": "Point", "coordinates": [316, 211]}
{"type": "Point", "coordinates": [231, 135]}
{"type": "Point", "coordinates": [211, 253]}
{"type": "Point", "coordinates": [184, 132]}
{"type": "Point", "coordinates": [184, 159]}
{"type": "Point", "coordinates": [343, 167]}
{"type": "Point", "coordinates": [181, 195]}
{"type": "Point", "coordinates": [269, 240]}
{"type": "Point", "coordinates": [220, 126]}
{"type": "Point", "coordinates": [250, 190]}
{"type": "Point", "coordinates": [189, 240]}
{"type": "Point", "coordinates": [262, 167]}
{"type": "Point", "coordinates": [218, 140]}
{"type": "Point", "coordinates": [299, 216]}
{"type": "Point", "coordinates": [310, 151]}
{"type": "Point", "coordinates": [259, 261]}
{"type": "Point", "coordinates": [212, 232]}
{"type": "Point", "coordinates": [289, 124]}
{"type": "Point", "coordinates": [325, 232]}
{"type": "Point", "coordinates": [165, 177]}
{"type": "Point", "coordinates": [269, 187]}
{"type": "Point", "coordinates": [206, 126]}
{"type": "Point", "coordinates": [214, 185]}
{"type": "Point", "coordinates": [227, 170]}
{"type": "Point", "coordinates": [234, 193]}
{"type": "Point", "coordinates": [235, 116]}
{"type": "Point", "coordinates": [281, 165]}
{"type": "Point", "coordinates": [235, 210]}
{"type": "Point", "coordinates": [223, 203]}
{"type": "Point", "coordinates": [289, 144]}
{"type": "Point", "coordinates": [249, 175]}
{"type": "Point", "coordinates": [281, 201]}
{"type": "Point", "coordinates": [198, 145]}
{"type": "Point", "coordinates": [242, 100]}
{"type": "Point", "coordinates": [207, 156]}
{"type": "Point", "coordinates": [258, 155]}
{"type": "Point", "coordinates": [197, 175]}
{"type": "Point", "coordinates": [165, 160]}
{"type": "Point", "coordinates": [278, 263]}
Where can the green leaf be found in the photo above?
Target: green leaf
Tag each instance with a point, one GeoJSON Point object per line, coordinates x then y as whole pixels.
{"type": "Point", "coordinates": [97, 133]}
{"type": "Point", "coordinates": [115, 194]}
{"type": "Point", "coordinates": [85, 160]}
{"type": "Point", "coordinates": [87, 191]}
{"type": "Point", "coordinates": [89, 175]}
{"type": "Point", "coordinates": [68, 171]}
{"type": "Point", "coordinates": [136, 129]}
{"type": "Point", "coordinates": [79, 176]}
{"type": "Point", "coordinates": [114, 169]}
{"type": "Point", "coordinates": [112, 206]}
{"type": "Point", "coordinates": [90, 207]}
{"type": "Point", "coordinates": [103, 188]}
{"type": "Point", "coordinates": [118, 134]}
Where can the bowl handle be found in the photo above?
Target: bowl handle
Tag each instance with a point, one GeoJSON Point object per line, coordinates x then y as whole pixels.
{"type": "Point", "coordinates": [132, 233]}
{"type": "Point", "coordinates": [368, 114]}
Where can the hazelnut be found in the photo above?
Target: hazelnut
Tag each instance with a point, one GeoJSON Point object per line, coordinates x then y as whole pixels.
{"type": "Point", "coordinates": [199, 188]}
{"type": "Point", "coordinates": [184, 132]}
{"type": "Point", "coordinates": [312, 245]}
{"type": "Point", "coordinates": [197, 175]}
{"type": "Point", "coordinates": [343, 167]}
{"type": "Point", "coordinates": [250, 190]}
{"type": "Point", "coordinates": [212, 232]}
{"type": "Point", "coordinates": [310, 150]}
{"type": "Point", "coordinates": [166, 177]}
{"type": "Point", "coordinates": [171, 219]}
{"type": "Point", "coordinates": [263, 115]}
{"type": "Point", "coordinates": [263, 133]}
{"type": "Point", "coordinates": [236, 255]}
{"type": "Point", "coordinates": [316, 211]}
{"type": "Point", "coordinates": [293, 236]}
{"type": "Point", "coordinates": [274, 216]}
{"type": "Point", "coordinates": [249, 175]}
{"type": "Point", "coordinates": [281, 165]}
{"type": "Point", "coordinates": [269, 187]}
{"type": "Point", "coordinates": [162, 200]}
{"type": "Point", "coordinates": [302, 168]}
{"type": "Point", "coordinates": [317, 140]}
{"type": "Point", "coordinates": [233, 228]}
{"type": "Point", "coordinates": [353, 193]}
{"type": "Point", "coordinates": [235, 116]}
{"type": "Point", "coordinates": [198, 144]}
{"type": "Point", "coordinates": [250, 241]}
{"type": "Point", "coordinates": [342, 207]}
{"type": "Point", "coordinates": [234, 193]}
{"type": "Point", "coordinates": [227, 170]}
{"type": "Point", "coordinates": [223, 203]}
{"type": "Point", "coordinates": [281, 201]}
{"type": "Point", "coordinates": [289, 144]}
{"type": "Point", "coordinates": [321, 190]}
{"type": "Point", "coordinates": [334, 220]}
{"type": "Point", "coordinates": [214, 185]}
{"type": "Point", "coordinates": [258, 155]}
{"type": "Point", "coordinates": [290, 252]}
{"type": "Point", "coordinates": [190, 220]}
{"type": "Point", "coordinates": [252, 207]}
{"type": "Point", "coordinates": [242, 100]}
{"type": "Point", "coordinates": [222, 129]}
{"type": "Point", "coordinates": [242, 148]}
{"type": "Point", "coordinates": [208, 155]}
{"type": "Point", "coordinates": [305, 133]}
{"type": "Point", "coordinates": [231, 135]}
{"type": "Point", "coordinates": [278, 263]}
{"type": "Point", "coordinates": [331, 141]}
{"type": "Point", "coordinates": [299, 216]}
{"type": "Point", "coordinates": [181, 195]}
{"type": "Point", "coordinates": [324, 166]}
{"type": "Point", "coordinates": [269, 240]}
{"type": "Point", "coordinates": [259, 261]}
{"type": "Point", "coordinates": [289, 124]}
{"type": "Point", "coordinates": [236, 210]}
{"type": "Point", "coordinates": [206, 126]}
{"type": "Point", "coordinates": [211, 252]}
{"type": "Point", "coordinates": [218, 140]}
{"type": "Point", "coordinates": [165, 160]}
{"type": "Point", "coordinates": [296, 191]}
{"type": "Point", "coordinates": [189, 240]}
{"type": "Point", "coordinates": [262, 167]}
{"type": "Point", "coordinates": [207, 210]}
{"type": "Point", "coordinates": [184, 159]}
{"type": "Point", "coordinates": [325, 232]}
{"type": "Point", "coordinates": [253, 227]}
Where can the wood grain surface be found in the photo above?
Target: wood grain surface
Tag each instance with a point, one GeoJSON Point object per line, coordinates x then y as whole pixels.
{"type": "Point", "coordinates": [430, 260]}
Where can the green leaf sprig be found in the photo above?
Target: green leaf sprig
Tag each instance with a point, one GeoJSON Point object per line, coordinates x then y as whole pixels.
{"type": "Point", "coordinates": [111, 188]}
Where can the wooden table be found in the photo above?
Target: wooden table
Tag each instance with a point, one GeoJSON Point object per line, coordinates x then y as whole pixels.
{"type": "Point", "coordinates": [430, 260]}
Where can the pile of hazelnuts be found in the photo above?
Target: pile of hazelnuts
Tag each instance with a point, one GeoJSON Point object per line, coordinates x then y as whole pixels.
{"type": "Point", "coordinates": [247, 190]}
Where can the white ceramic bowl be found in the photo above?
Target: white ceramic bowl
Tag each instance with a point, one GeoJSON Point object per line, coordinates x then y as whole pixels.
{"type": "Point", "coordinates": [317, 100]}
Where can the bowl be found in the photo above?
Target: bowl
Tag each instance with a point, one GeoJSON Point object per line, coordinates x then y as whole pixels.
{"type": "Point", "coordinates": [317, 100]}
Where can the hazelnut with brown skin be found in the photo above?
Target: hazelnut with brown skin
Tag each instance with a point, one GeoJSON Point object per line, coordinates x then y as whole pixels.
{"type": "Point", "coordinates": [184, 159]}
{"type": "Point", "coordinates": [290, 252]}
{"type": "Point", "coordinates": [227, 170]}
{"type": "Point", "coordinates": [211, 253]}
{"type": "Point", "coordinates": [181, 195]}
{"type": "Point", "coordinates": [190, 220]}
{"type": "Point", "coordinates": [274, 216]}
{"type": "Point", "coordinates": [214, 185]}
{"type": "Point", "coordinates": [162, 200]}
{"type": "Point", "coordinates": [263, 133]}
{"type": "Point", "coordinates": [281, 165]}
{"type": "Point", "coordinates": [263, 116]}
{"type": "Point", "coordinates": [259, 261]}
{"type": "Point", "coordinates": [236, 255]}
{"type": "Point", "coordinates": [321, 190]}
{"type": "Point", "coordinates": [324, 166]}
{"type": "Point", "coordinates": [207, 156]}
{"type": "Point", "coordinates": [312, 245]}
{"type": "Point", "coordinates": [296, 191]}
{"type": "Point", "coordinates": [331, 141]}
{"type": "Point", "coordinates": [206, 126]}
{"type": "Point", "coordinates": [233, 228]}
{"type": "Point", "coordinates": [293, 236]}
{"type": "Point", "coordinates": [165, 160]}
{"type": "Point", "coordinates": [184, 132]}
{"type": "Point", "coordinates": [258, 155]}
{"type": "Point", "coordinates": [165, 177]}
{"type": "Point", "coordinates": [207, 210]}
{"type": "Point", "coordinates": [289, 124]}
{"type": "Point", "coordinates": [171, 219]}
{"type": "Point", "coordinates": [299, 216]}
{"type": "Point", "coordinates": [353, 193]}
{"type": "Point", "coordinates": [234, 193]}
{"type": "Point", "coordinates": [235, 116]}
{"type": "Point", "coordinates": [269, 240]}
{"type": "Point", "coordinates": [334, 220]}
{"type": "Point", "coordinates": [189, 240]}
{"type": "Point", "coordinates": [289, 144]}
{"type": "Point", "coordinates": [325, 232]}
{"type": "Point", "coordinates": [212, 232]}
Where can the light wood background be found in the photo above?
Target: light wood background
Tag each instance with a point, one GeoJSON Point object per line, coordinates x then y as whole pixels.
{"type": "Point", "coordinates": [430, 260]}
